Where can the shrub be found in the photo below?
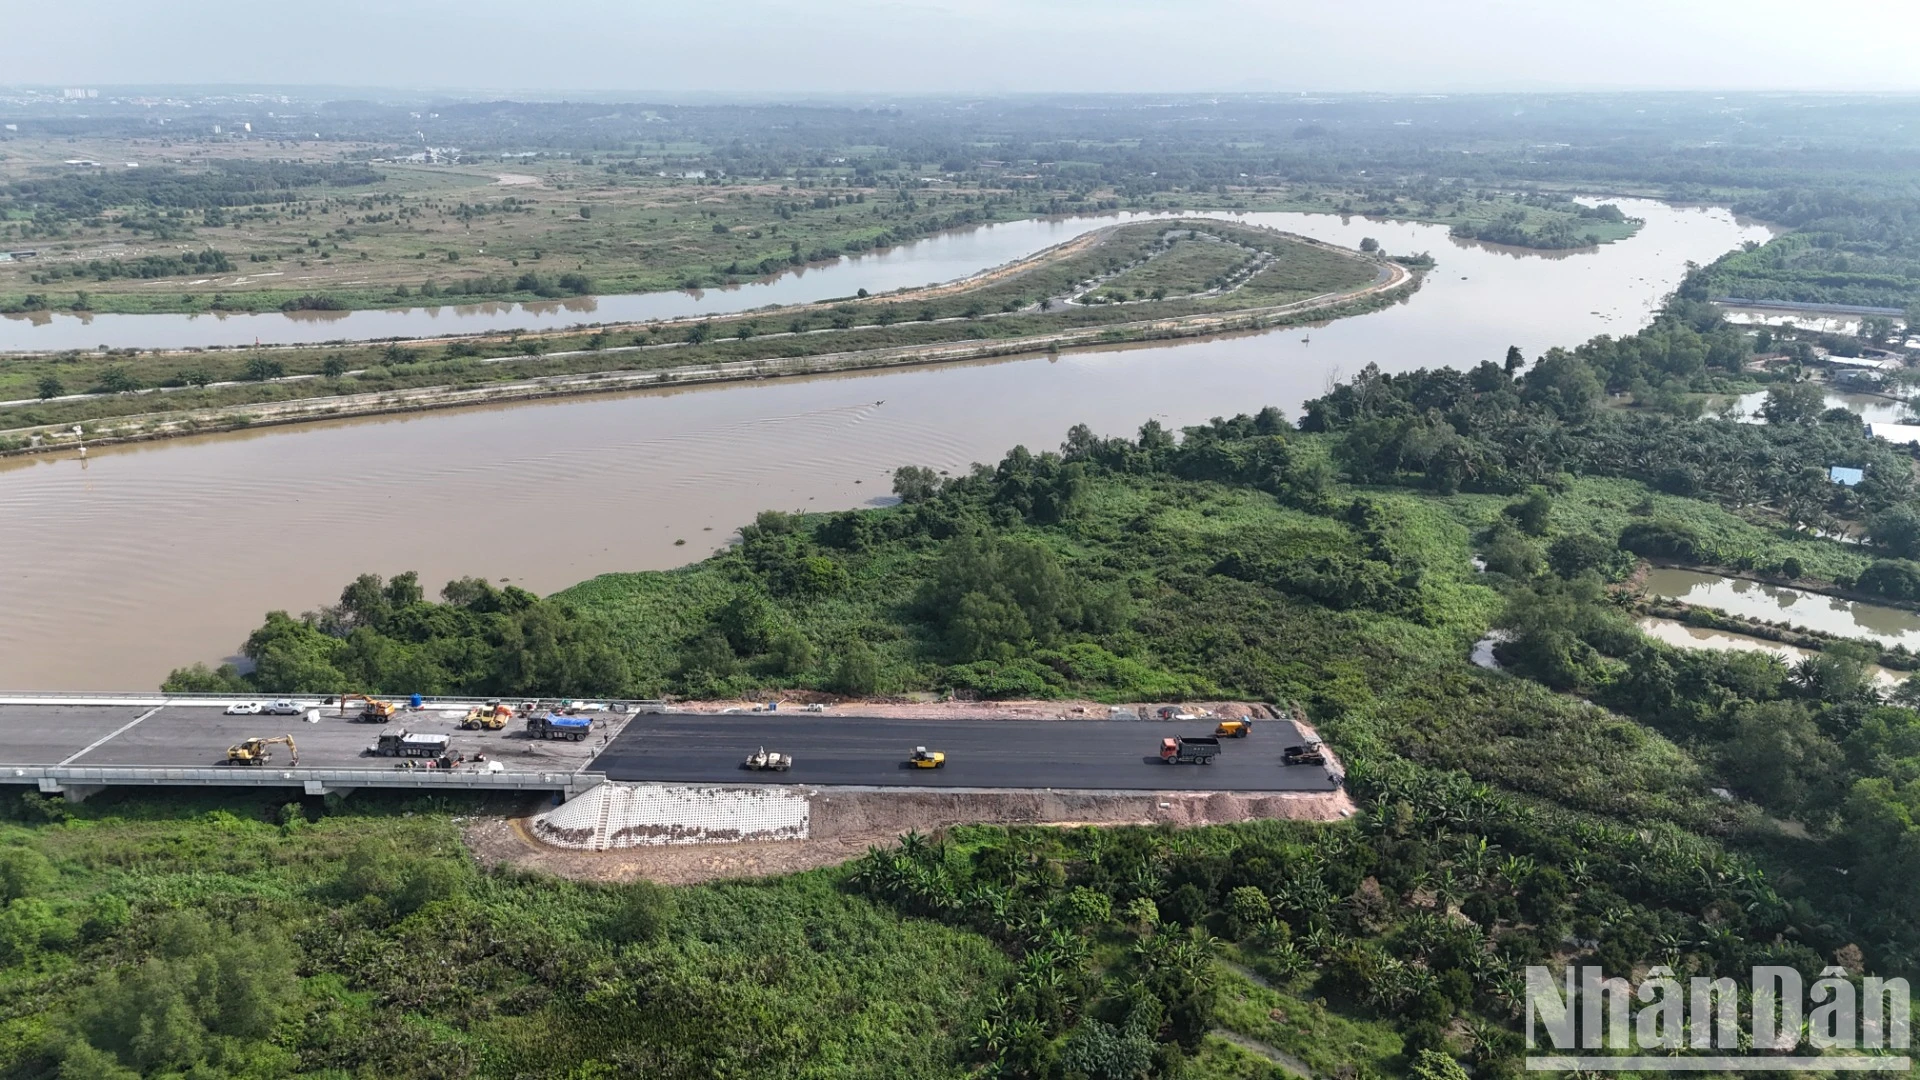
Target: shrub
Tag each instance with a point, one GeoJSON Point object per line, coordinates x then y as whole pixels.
{"type": "Point", "coordinates": [857, 672]}
{"type": "Point", "coordinates": [1672, 539]}
{"type": "Point", "coordinates": [642, 912]}
{"type": "Point", "coordinates": [426, 882]}
{"type": "Point", "coordinates": [1895, 579]}
{"type": "Point", "coordinates": [1579, 553]}
{"type": "Point", "coordinates": [24, 872]}
{"type": "Point", "coordinates": [314, 302]}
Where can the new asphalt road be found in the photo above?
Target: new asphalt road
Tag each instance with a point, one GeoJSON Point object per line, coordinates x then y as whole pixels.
{"type": "Point", "coordinates": [1084, 754]}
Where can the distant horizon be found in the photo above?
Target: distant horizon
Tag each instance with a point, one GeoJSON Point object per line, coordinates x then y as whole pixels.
{"type": "Point", "coordinates": [642, 94]}
{"type": "Point", "coordinates": [786, 48]}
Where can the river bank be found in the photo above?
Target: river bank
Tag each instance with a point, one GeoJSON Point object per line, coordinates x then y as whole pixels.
{"type": "Point", "coordinates": [960, 257]}
{"type": "Point", "coordinates": [1398, 284]}
{"type": "Point", "coordinates": [1028, 299]}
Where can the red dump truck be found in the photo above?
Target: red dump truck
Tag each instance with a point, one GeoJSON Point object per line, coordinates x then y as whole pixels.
{"type": "Point", "coordinates": [1189, 750]}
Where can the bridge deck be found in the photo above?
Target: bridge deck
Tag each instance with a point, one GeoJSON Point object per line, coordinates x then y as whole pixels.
{"type": "Point", "coordinates": [144, 735]}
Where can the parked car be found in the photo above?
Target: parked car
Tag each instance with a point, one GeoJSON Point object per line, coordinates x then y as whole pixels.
{"type": "Point", "coordinates": [243, 708]}
{"type": "Point", "coordinates": [283, 707]}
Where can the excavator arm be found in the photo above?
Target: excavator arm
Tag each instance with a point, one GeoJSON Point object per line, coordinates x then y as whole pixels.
{"type": "Point", "coordinates": [293, 752]}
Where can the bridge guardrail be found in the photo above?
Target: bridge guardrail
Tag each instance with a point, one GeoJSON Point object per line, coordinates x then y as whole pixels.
{"type": "Point", "coordinates": [108, 775]}
{"type": "Point", "coordinates": [62, 697]}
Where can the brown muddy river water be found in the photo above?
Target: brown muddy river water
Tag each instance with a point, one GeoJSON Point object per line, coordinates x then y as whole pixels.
{"type": "Point", "coordinates": [143, 558]}
{"type": "Point", "coordinates": [1773, 603]}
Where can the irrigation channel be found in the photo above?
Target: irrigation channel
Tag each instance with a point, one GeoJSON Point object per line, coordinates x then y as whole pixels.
{"type": "Point", "coordinates": [149, 556]}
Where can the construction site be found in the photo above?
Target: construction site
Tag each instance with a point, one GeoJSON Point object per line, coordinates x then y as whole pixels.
{"type": "Point", "coordinates": [689, 791]}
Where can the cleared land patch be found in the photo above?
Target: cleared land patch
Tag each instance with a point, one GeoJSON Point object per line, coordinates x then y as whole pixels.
{"type": "Point", "coordinates": [1187, 266]}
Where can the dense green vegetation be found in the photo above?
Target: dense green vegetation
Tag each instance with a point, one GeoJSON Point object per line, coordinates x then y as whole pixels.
{"type": "Point", "coordinates": [212, 938]}
{"type": "Point", "coordinates": [226, 183]}
{"type": "Point", "coordinates": [1846, 248]}
{"type": "Point", "coordinates": [1548, 223]}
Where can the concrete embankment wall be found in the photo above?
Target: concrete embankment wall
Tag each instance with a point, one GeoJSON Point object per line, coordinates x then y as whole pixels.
{"type": "Point", "coordinates": [616, 815]}
{"type": "Point", "coordinates": [637, 815]}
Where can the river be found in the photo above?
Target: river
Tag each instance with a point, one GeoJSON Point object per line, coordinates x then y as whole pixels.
{"type": "Point", "coordinates": [932, 260]}
{"type": "Point", "coordinates": [150, 556]}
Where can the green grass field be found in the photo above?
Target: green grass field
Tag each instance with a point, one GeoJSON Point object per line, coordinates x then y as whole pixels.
{"type": "Point", "coordinates": [363, 942]}
{"type": "Point", "coordinates": [1188, 266]}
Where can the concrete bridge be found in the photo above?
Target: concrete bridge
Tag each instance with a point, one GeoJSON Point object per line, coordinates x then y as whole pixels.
{"type": "Point", "coordinates": [77, 744]}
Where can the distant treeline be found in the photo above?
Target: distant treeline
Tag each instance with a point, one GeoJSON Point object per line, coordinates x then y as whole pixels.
{"type": "Point", "coordinates": [148, 266]}
{"type": "Point", "coordinates": [228, 183]}
{"type": "Point", "coordinates": [570, 284]}
{"type": "Point", "coordinates": [889, 237]}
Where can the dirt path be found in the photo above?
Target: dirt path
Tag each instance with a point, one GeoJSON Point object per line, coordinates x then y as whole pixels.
{"type": "Point", "coordinates": [1245, 1042]}
{"type": "Point", "coordinates": [1250, 975]}
{"type": "Point", "coordinates": [1277, 1056]}
{"type": "Point", "coordinates": [1052, 709]}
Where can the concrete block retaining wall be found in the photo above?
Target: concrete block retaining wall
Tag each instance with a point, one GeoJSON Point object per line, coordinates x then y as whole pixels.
{"type": "Point", "coordinates": [615, 815]}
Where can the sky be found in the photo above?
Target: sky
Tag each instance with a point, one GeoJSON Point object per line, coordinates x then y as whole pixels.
{"type": "Point", "coordinates": [775, 47]}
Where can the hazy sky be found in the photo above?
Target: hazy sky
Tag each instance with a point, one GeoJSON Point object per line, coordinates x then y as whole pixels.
{"type": "Point", "coordinates": [772, 46]}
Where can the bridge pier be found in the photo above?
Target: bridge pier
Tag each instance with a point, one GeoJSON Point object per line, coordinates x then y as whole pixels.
{"type": "Point", "coordinates": [73, 793]}
{"type": "Point", "coordinates": [321, 787]}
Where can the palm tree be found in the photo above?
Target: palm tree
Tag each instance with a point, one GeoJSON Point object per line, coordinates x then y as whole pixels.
{"type": "Point", "coordinates": [1287, 960]}
{"type": "Point", "coordinates": [913, 846]}
{"type": "Point", "coordinates": [1322, 942]}
{"type": "Point", "coordinates": [1516, 869]}
{"type": "Point", "coordinates": [1578, 871]}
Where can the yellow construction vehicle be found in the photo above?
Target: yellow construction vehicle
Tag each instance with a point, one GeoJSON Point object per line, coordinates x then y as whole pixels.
{"type": "Point", "coordinates": [924, 758]}
{"type": "Point", "coordinates": [1234, 729]}
{"type": "Point", "coordinates": [375, 710]}
{"type": "Point", "coordinates": [492, 716]}
{"type": "Point", "coordinates": [256, 752]}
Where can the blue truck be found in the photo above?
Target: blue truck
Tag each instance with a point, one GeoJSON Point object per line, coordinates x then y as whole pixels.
{"type": "Point", "coordinates": [555, 726]}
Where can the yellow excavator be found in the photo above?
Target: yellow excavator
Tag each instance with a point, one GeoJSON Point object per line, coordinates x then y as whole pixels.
{"type": "Point", "coordinates": [375, 712]}
{"type": "Point", "coordinates": [492, 716]}
{"type": "Point", "coordinates": [256, 751]}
